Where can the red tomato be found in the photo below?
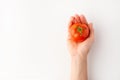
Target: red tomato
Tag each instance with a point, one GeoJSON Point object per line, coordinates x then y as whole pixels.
{"type": "Point", "coordinates": [79, 32]}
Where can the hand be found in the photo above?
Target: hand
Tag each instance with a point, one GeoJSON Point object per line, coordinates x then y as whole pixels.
{"type": "Point", "coordinates": [82, 48]}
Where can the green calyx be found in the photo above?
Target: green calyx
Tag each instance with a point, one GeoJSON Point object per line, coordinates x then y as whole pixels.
{"type": "Point", "coordinates": [79, 29]}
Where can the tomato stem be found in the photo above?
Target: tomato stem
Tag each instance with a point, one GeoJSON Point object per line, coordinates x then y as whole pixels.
{"type": "Point", "coordinates": [79, 29]}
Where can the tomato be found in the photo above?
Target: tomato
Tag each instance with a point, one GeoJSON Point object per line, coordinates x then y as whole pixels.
{"type": "Point", "coordinates": [79, 32]}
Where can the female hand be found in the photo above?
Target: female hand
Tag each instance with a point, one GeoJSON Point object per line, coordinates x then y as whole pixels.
{"type": "Point", "coordinates": [82, 48]}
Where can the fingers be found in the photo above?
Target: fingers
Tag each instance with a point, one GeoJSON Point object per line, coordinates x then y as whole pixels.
{"type": "Point", "coordinates": [80, 19]}
{"type": "Point", "coordinates": [83, 19]}
{"type": "Point", "coordinates": [77, 17]}
{"type": "Point", "coordinates": [71, 22]}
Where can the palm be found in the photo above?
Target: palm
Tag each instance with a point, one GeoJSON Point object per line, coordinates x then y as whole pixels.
{"type": "Point", "coordinates": [83, 47]}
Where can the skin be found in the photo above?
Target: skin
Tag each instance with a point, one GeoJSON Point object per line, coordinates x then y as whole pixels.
{"type": "Point", "coordinates": [79, 51]}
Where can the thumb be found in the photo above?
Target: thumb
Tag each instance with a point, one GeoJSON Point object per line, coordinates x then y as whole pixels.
{"type": "Point", "coordinates": [90, 25]}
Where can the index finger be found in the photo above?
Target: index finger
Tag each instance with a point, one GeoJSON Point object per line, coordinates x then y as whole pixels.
{"type": "Point", "coordinates": [71, 21]}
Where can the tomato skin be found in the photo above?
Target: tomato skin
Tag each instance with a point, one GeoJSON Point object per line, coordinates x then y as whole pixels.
{"type": "Point", "coordinates": [79, 32]}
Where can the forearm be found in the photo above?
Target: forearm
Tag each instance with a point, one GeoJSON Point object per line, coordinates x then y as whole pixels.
{"type": "Point", "coordinates": [78, 68]}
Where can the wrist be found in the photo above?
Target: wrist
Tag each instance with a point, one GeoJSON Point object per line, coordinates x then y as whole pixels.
{"type": "Point", "coordinates": [78, 61]}
{"type": "Point", "coordinates": [78, 67]}
{"type": "Point", "coordinates": [79, 57]}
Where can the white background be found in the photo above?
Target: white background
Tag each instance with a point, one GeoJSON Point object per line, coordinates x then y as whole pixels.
{"type": "Point", "coordinates": [33, 37]}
